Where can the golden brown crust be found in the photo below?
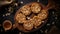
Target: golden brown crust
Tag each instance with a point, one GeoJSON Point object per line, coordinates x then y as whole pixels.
{"type": "Point", "coordinates": [35, 7]}
{"type": "Point", "coordinates": [43, 15]}
{"type": "Point", "coordinates": [20, 18]}
{"type": "Point", "coordinates": [26, 10]}
{"type": "Point", "coordinates": [28, 25]}
{"type": "Point", "coordinates": [36, 21]}
{"type": "Point", "coordinates": [36, 17]}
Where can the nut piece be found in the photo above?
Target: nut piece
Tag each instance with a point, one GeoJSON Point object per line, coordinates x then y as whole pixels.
{"type": "Point", "coordinates": [28, 25]}
{"type": "Point", "coordinates": [26, 10]}
{"type": "Point", "coordinates": [35, 7]}
{"type": "Point", "coordinates": [20, 18]}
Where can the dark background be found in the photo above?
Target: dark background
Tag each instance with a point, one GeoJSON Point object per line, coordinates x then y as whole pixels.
{"type": "Point", "coordinates": [46, 29]}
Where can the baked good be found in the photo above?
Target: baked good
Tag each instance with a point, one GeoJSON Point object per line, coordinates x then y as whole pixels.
{"type": "Point", "coordinates": [35, 7]}
{"type": "Point", "coordinates": [28, 25]}
{"type": "Point", "coordinates": [20, 18]}
{"type": "Point", "coordinates": [25, 9]}
{"type": "Point", "coordinates": [36, 21]}
{"type": "Point", "coordinates": [43, 15]}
